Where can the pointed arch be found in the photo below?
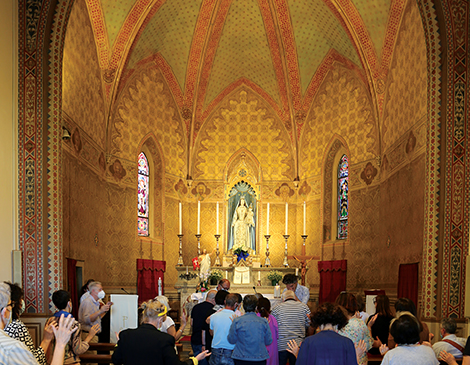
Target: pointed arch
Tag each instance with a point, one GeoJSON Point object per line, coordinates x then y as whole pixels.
{"type": "Point", "coordinates": [336, 149]}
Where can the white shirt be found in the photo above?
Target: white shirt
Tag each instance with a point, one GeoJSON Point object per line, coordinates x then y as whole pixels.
{"type": "Point", "coordinates": [167, 324]}
{"type": "Point", "coordinates": [444, 346]}
{"type": "Point", "coordinates": [14, 352]}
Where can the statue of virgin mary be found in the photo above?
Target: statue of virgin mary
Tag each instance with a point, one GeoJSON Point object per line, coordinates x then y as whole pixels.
{"type": "Point", "coordinates": [242, 226]}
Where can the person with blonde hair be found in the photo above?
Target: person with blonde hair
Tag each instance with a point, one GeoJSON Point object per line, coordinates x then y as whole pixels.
{"type": "Point", "coordinates": [146, 344]}
{"type": "Point", "coordinates": [168, 326]}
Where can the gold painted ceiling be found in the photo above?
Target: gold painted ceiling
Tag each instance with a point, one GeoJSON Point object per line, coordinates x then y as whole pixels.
{"type": "Point", "coordinates": [281, 49]}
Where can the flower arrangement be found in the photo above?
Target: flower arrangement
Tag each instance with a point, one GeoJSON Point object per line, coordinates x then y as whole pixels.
{"type": "Point", "coordinates": [275, 276]}
{"type": "Point", "coordinates": [202, 287]}
{"type": "Point", "coordinates": [241, 252]}
{"type": "Point", "coordinates": [216, 275]}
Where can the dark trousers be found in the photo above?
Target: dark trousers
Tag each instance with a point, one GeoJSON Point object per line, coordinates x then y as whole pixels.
{"type": "Point", "coordinates": [286, 355]}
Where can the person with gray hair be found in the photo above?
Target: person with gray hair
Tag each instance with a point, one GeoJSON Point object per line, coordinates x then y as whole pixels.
{"type": "Point", "coordinates": [168, 326]}
{"type": "Point", "coordinates": [292, 317]}
{"type": "Point", "coordinates": [14, 352]}
{"type": "Point", "coordinates": [450, 342]}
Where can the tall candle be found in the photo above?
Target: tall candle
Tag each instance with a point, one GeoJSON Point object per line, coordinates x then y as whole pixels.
{"type": "Point", "coordinates": [187, 270]}
{"type": "Point", "coordinates": [259, 275]}
{"type": "Point", "coordinates": [305, 214]}
{"type": "Point", "coordinates": [217, 231]}
{"type": "Point", "coordinates": [181, 219]}
{"type": "Point", "coordinates": [296, 272]}
{"type": "Point", "coordinates": [287, 216]}
{"type": "Point", "coordinates": [267, 222]}
{"type": "Point", "coordinates": [226, 274]}
{"type": "Point", "coordinates": [198, 217]}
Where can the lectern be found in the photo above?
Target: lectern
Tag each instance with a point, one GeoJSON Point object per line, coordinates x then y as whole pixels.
{"type": "Point", "coordinates": [123, 313]}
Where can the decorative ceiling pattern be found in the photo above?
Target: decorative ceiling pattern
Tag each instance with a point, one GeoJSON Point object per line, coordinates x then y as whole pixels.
{"type": "Point", "coordinates": [243, 51]}
{"type": "Point", "coordinates": [317, 31]}
{"type": "Point", "coordinates": [115, 12]}
{"type": "Point", "coordinates": [282, 50]}
{"type": "Point", "coordinates": [375, 17]}
{"type": "Point", "coordinates": [169, 33]}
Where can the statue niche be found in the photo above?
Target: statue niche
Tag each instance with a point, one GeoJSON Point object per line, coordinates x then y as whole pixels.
{"type": "Point", "coordinates": [242, 217]}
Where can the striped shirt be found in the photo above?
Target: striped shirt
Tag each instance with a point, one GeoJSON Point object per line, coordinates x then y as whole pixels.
{"type": "Point", "coordinates": [292, 321]}
{"type": "Point", "coordinates": [14, 352]}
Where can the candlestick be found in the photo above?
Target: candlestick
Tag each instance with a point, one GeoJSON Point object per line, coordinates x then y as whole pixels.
{"type": "Point", "coordinates": [305, 214]}
{"type": "Point", "coordinates": [198, 217]}
{"type": "Point", "coordinates": [296, 271]}
{"type": "Point", "coordinates": [267, 262]}
{"type": "Point", "coordinates": [226, 274]}
{"type": "Point", "coordinates": [287, 217]}
{"type": "Point", "coordinates": [267, 222]}
{"type": "Point", "coordinates": [198, 236]}
{"type": "Point", "coordinates": [285, 263]}
{"type": "Point", "coordinates": [187, 269]}
{"type": "Point", "coordinates": [181, 218]}
{"type": "Point", "coordinates": [180, 258]}
{"type": "Point", "coordinates": [259, 275]}
{"type": "Point", "coordinates": [304, 237]}
{"type": "Point", "coordinates": [217, 252]}
{"type": "Point", "coordinates": [217, 230]}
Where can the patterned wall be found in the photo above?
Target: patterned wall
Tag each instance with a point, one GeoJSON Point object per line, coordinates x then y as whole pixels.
{"type": "Point", "coordinates": [342, 106]}
{"type": "Point", "coordinates": [147, 106]}
{"type": "Point", "coordinates": [405, 98]}
{"type": "Point", "coordinates": [81, 79]}
{"type": "Point", "coordinates": [243, 120]}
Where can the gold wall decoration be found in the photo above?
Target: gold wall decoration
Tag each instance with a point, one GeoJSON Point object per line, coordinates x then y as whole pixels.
{"type": "Point", "coordinates": [405, 96]}
{"type": "Point", "coordinates": [147, 106]}
{"type": "Point", "coordinates": [82, 95]}
{"type": "Point", "coordinates": [342, 106]}
{"type": "Point", "coordinates": [244, 120]}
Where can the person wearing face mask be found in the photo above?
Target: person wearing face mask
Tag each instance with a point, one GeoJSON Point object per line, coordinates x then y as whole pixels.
{"type": "Point", "coordinates": [90, 311]}
{"type": "Point", "coordinates": [12, 352]}
{"type": "Point", "coordinates": [76, 345]}
{"type": "Point", "coordinates": [17, 329]}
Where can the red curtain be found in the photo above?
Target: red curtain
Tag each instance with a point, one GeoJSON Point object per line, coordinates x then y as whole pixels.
{"type": "Point", "coordinates": [408, 282]}
{"type": "Point", "coordinates": [72, 285]}
{"type": "Point", "coordinates": [148, 273]}
{"type": "Point", "coordinates": [332, 279]}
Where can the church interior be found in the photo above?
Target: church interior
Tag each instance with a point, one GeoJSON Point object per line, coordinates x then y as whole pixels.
{"type": "Point", "coordinates": [265, 99]}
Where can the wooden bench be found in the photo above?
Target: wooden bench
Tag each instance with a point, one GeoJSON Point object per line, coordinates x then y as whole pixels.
{"type": "Point", "coordinates": [374, 359]}
{"type": "Point", "coordinates": [95, 359]}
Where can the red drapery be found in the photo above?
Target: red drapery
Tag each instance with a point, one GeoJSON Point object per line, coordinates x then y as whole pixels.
{"type": "Point", "coordinates": [408, 282]}
{"type": "Point", "coordinates": [148, 272]}
{"type": "Point", "coordinates": [72, 285]}
{"type": "Point", "coordinates": [332, 279]}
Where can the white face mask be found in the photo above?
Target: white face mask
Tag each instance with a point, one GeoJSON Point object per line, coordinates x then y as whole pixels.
{"type": "Point", "coordinates": [101, 294]}
{"type": "Point", "coordinates": [6, 321]}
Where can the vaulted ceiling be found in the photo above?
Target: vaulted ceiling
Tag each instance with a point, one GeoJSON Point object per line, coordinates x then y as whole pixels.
{"type": "Point", "coordinates": [282, 49]}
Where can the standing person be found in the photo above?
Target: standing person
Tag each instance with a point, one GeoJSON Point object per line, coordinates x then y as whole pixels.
{"type": "Point", "coordinates": [382, 323]}
{"type": "Point", "coordinates": [356, 330]}
{"type": "Point", "coordinates": [85, 291]}
{"type": "Point", "coordinates": [76, 345]}
{"type": "Point", "coordinates": [450, 342]}
{"type": "Point", "coordinates": [405, 331]}
{"type": "Point", "coordinates": [168, 326]}
{"type": "Point", "coordinates": [90, 312]}
{"type": "Point", "coordinates": [200, 338]}
{"type": "Point", "coordinates": [301, 292]}
{"type": "Point", "coordinates": [450, 359]}
{"type": "Point", "coordinates": [264, 310]}
{"type": "Point", "coordinates": [250, 334]}
{"type": "Point", "coordinates": [17, 329]}
{"type": "Point", "coordinates": [361, 308]}
{"type": "Point", "coordinates": [220, 323]}
{"type": "Point", "coordinates": [146, 344]}
{"type": "Point", "coordinates": [327, 346]}
{"type": "Point", "coordinates": [292, 319]}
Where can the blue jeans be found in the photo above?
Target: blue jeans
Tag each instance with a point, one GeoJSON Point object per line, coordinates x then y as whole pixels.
{"type": "Point", "coordinates": [221, 357]}
{"type": "Point", "coordinates": [197, 349]}
{"type": "Point", "coordinates": [284, 355]}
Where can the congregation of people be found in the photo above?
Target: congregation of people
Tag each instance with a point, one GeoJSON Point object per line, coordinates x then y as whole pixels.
{"type": "Point", "coordinates": [228, 329]}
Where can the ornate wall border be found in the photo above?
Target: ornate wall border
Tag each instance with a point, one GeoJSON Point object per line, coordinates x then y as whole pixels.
{"type": "Point", "coordinates": [456, 225]}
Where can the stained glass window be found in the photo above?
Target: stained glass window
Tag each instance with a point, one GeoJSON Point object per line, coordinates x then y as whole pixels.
{"type": "Point", "coordinates": [143, 196]}
{"type": "Point", "coordinates": [343, 198]}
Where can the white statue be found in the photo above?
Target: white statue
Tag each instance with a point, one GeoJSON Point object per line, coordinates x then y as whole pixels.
{"type": "Point", "coordinates": [243, 219]}
{"type": "Point", "coordinates": [204, 265]}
